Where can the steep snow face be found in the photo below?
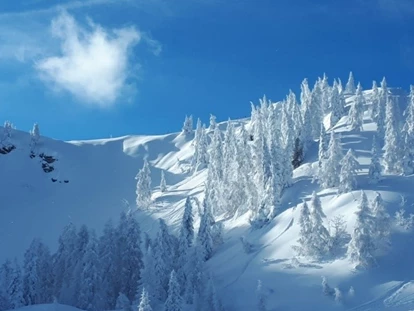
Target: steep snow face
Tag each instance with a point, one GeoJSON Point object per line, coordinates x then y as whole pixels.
{"type": "Point", "coordinates": [94, 180]}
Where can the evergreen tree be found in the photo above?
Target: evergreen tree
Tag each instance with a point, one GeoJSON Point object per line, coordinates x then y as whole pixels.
{"type": "Point", "coordinates": [204, 236]}
{"type": "Point", "coordinates": [332, 166]}
{"type": "Point", "coordinates": [356, 112]}
{"type": "Point", "coordinates": [90, 291]}
{"type": "Point", "coordinates": [261, 301]}
{"type": "Point", "coordinates": [305, 230]}
{"type": "Point", "coordinates": [375, 168]}
{"type": "Point", "coordinates": [381, 115]}
{"type": "Point", "coordinates": [188, 125]}
{"type": "Point", "coordinates": [144, 304]}
{"type": "Point", "coordinates": [326, 289]}
{"type": "Point", "coordinates": [144, 186]}
{"type": "Point", "coordinates": [392, 150]}
{"type": "Point", "coordinates": [337, 105]}
{"type": "Point", "coordinates": [198, 131]}
{"type": "Point", "coordinates": [174, 301]}
{"type": "Point", "coordinates": [211, 300]}
{"type": "Point", "coordinates": [382, 225]}
{"type": "Point", "coordinates": [163, 183]}
{"type": "Point", "coordinates": [325, 94]}
{"type": "Point", "coordinates": [11, 290]}
{"type": "Point", "coordinates": [347, 178]}
{"type": "Point", "coordinates": [213, 122]}
{"type": "Point", "coordinates": [123, 303]}
{"type": "Point", "coordinates": [361, 249]}
{"type": "Point", "coordinates": [322, 152]}
{"type": "Point", "coordinates": [375, 99]}
{"type": "Point", "coordinates": [315, 108]}
{"type": "Point", "coordinates": [350, 85]}
{"type": "Point", "coordinates": [305, 97]}
{"type": "Point", "coordinates": [319, 235]}
{"type": "Point", "coordinates": [185, 241]}
{"type": "Point", "coordinates": [200, 159]}
{"type": "Point", "coordinates": [34, 137]}
{"type": "Point", "coordinates": [148, 275]}
{"type": "Point", "coordinates": [7, 133]}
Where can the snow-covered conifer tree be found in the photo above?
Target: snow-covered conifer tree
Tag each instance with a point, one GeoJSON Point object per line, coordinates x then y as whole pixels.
{"type": "Point", "coordinates": [332, 167]}
{"type": "Point", "coordinates": [305, 96]}
{"type": "Point", "coordinates": [392, 150]}
{"type": "Point", "coordinates": [347, 178]}
{"type": "Point", "coordinates": [316, 110]}
{"type": "Point", "coordinates": [374, 101]}
{"type": "Point", "coordinates": [381, 114]}
{"type": "Point", "coordinates": [7, 133]}
{"type": "Point", "coordinates": [261, 300]}
{"type": "Point", "coordinates": [322, 152]}
{"type": "Point", "coordinates": [185, 241]}
{"type": "Point", "coordinates": [204, 236]}
{"type": "Point", "coordinates": [350, 85]}
{"type": "Point", "coordinates": [305, 230]}
{"type": "Point", "coordinates": [356, 112]}
{"type": "Point", "coordinates": [188, 125]}
{"type": "Point", "coordinates": [174, 301]}
{"type": "Point", "coordinates": [213, 122]}
{"type": "Point", "coordinates": [148, 274]}
{"type": "Point", "coordinates": [123, 303]}
{"type": "Point", "coordinates": [144, 303]}
{"type": "Point", "coordinates": [163, 183]}
{"type": "Point", "coordinates": [337, 105]}
{"type": "Point", "coordinates": [326, 289]}
{"type": "Point", "coordinates": [198, 131]}
{"type": "Point", "coordinates": [375, 168]}
{"type": "Point", "coordinates": [34, 137]}
{"type": "Point", "coordinates": [319, 235]}
{"type": "Point", "coordinates": [382, 225]}
{"type": "Point", "coordinates": [338, 295]}
{"type": "Point", "coordinates": [212, 302]}
{"type": "Point", "coordinates": [361, 248]}
{"type": "Point", "coordinates": [201, 155]}
{"type": "Point", "coordinates": [144, 186]}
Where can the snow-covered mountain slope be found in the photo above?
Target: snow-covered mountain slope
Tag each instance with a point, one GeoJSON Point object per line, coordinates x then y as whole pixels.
{"type": "Point", "coordinates": [92, 180]}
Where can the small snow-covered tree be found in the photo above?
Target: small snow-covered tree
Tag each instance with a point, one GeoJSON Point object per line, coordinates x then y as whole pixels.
{"type": "Point", "coordinates": [185, 241]}
{"type": "Point", "coordinates": [174, 301]}
{"type": "Point", "coordinates": [144, 303]}
{"type": "Point", "coordinates": [326, 289]}
{"type": "Point", "coordinates": [204, 236]}
{"type": "Point", "coordinates": [339, 236]}
{"type": "Point", "coordinates": [375, 168]}
{"type": "Point", "coordinates": [213, 122]}
{"type": "Point", "coordinates": [322, 152]}
{"type": "Point", "coordinates": [200, 159]}
{"type": "Point", "coordinates": [163, 183]}
{"type": "Point", "coordinates": [361, 248]}
{"type": "Point", "coordinates": [148, 274]}
{"type": "Point", "coordinates": [374, 101]}
{"type": "Point", "coordinates": [7, 133]}
{"type": "Point", "coordinates": [392, 150]}
{"type": "Point", "coordinates": [337, 105]}
{"type": "Point", "coordinates": [381, 226]}
{"type": "Point", "coordinates": [34, 137]}
{"type": "Point", "coordinates": [319, 235]}
{"type": "Point", "coordinates": [350, 85]}
{"type": "Point", "coordinates": [351, 292]}
{"type": "Point", "coordinates": [144, 186]}
{"type": "Point", "coordinates": [188, 125]}
{"type": "Point", "coordinates": [332, 166]}
{"type": "Point", "coordinates": [305, 224]}
{"type": "Point", "coordinates": [123, 303]}
{"type": "Point", "coordinates": [356, 112]}
{"type": "Point", "coordinates": [338, 295]}
{"type": "Point", "coordinates": [347, 178]}
{"type": "Point", "coordinates": [261, 300]}
{"type": "Point", "coordinates": [381, 114]}
{"type": "Point", "coordinates": [212, 302]}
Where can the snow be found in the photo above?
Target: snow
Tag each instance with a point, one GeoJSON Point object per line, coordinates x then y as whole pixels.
{"type": "Point", "coordinates": [101, 179]}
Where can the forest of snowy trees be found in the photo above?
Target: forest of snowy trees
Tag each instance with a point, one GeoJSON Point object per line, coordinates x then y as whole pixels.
{"type": "Point", "coordinates": [121, 269]}
{"type": "Point", "coordinates": [249, 167]}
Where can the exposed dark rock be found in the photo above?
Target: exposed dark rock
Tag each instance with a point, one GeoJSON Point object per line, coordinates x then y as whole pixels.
{"type": "Point", "coordinates": [54, 179]}
{"type": "Point", "coordinates": [7, 149]}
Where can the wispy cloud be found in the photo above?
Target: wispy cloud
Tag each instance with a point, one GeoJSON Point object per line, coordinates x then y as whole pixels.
{"type": "Point", "coordinates": [93, 63]}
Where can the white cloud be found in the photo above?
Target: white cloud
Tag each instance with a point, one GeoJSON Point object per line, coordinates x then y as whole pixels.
{"type": "Point", "coordinates": [93, 63]}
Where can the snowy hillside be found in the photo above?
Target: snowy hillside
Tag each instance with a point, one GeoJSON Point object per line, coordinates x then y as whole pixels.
{"type": "Point", "coordinates": [47, 184]}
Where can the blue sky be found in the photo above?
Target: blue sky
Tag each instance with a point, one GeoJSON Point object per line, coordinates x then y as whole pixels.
{"type": "Point", "coordinates": [95, 68]}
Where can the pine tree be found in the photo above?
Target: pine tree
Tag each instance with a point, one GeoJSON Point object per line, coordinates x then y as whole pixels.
{"type": "Point", "coordinates": [381, 115]}
{"type": "Point", "coordinates": [198, 131]}
{"type": "Point", "coordinates": [211, 300]}
{"type": "Point", "coordinates": [375, 168]}
{"type": "Point", "coordinates": [188, 125]}
{"type": "Point", "coordinates": [163, 183]}
{"type": "Point", "coordinates": [325, 94]}
{"type": "Point", "coordinates": [305, 97]}
{"type": "Point", "coordinates": [34, 137]}
{"type": "Point", "coordinates": [356, 112]}
{"type": "Point", "coordinates": [319, 235]}
{"type": "Point", "coordinates": [185, 241]}
{"type": "Point", "coordinates": [382, 225]}
{"type": "Point", "coordinates": [213, 122]}
{"type": "Point", "coordinates": [408, 132]}
{"type": "Point", "coordinates": [332, 167]}
{"type": "Point", "coordinates": [350, 85]}
{"type": "Point", "coordinates": [305, 230]}
{"type": "Point", "coordinates": [315, 108]}
{"type": "Point", "coordinates": [200, 156]}
{"type": "Point", "coordinates": [123, 303]}
{"type": "Point", "coordinates": [322, 152]}
{"type": "Point", "coordinates": [326, 289]}
{"type": "Point", "coordinates": [174, 301]}
{"type": "Point", "coordinates": [148, 274]}
{"type": "Point", "coordinates": [204, 236]}
{"type": "Point", "coordinates": [7, 134]}
{"type": "Point", "coordinates": [144, 304]}
{"type": "Point", "coordinates": [261, 301]}
{"type": "Point", "coordinates": [347, 178]}
{"type": "Point", "coordinates": [392, 151]}
{"type": "Point", "coordinates": [361, 249]}
{"type": "Point", "coordinates": [375, 99]}
{"type": "Point", "coordinates": [144, 186]}
{"type": "Point", "coordinates": [337, 105]}
{"type": "Point", "coordinates": [338, 295]}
